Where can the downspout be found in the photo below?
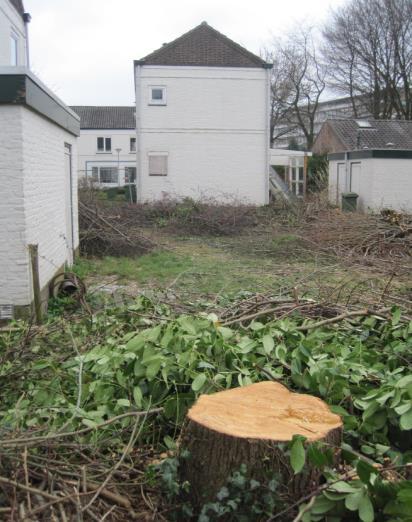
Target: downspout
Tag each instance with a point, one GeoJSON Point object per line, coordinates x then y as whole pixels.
{"type": "Point", "coordinates": [27, 19]}
{"type": "Point", "coordinates": [138, 93]}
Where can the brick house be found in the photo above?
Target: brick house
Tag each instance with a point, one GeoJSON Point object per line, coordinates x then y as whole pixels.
{"type": "Point", "coordinates": [107, 145]}
{"type": "Point", "coordinates": [202, 118]}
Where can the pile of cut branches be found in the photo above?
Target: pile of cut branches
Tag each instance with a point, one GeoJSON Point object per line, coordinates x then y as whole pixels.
{"type": "Point", "coordinates": [103, 231]}
{"type": "Point", "coordinates": [91, 407]}
{"type": "Point", "coordinates": [362, 238]}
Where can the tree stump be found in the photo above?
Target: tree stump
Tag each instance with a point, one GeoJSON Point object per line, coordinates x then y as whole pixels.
{"type": "Point", "coordinates": [246, 426]}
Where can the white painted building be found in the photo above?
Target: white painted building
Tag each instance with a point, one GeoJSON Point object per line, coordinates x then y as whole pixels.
{"type": "Point", "coordinates": [14, 49]}
{"type": "Point", "coordinates": [107, 145]}
{"type": "Point", "coordinates": [38, 204]}
{"type": "Point", "coordinates": [372, 158]}
{"type": "Point", "coordinates": [202, 120]}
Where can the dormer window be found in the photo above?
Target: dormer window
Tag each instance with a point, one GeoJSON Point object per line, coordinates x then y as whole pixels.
{"type": "Point", "coordinates": [157, 95]}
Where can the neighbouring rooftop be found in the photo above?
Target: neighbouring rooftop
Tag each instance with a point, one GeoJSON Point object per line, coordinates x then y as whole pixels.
{"type": "Point", "coordinates": [203, 46]}
{"type": "Point", "coordinates": [373, 134]}
{"type": "Point", "coordinates": [103, 117]}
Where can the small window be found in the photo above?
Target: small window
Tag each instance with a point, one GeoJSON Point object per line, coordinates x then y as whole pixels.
{"type": "Point", "coordinates": [14, 49]}
{"type": "Point", "coordinates": [157, 96]}
{"type": "Point", "coordinates": [158, 164]}
{"type": "Point", "coordinates": [104, 144]}
{"type": "Point", "coordinates": [130, 174]}
{"type": "Point", "coordinates": [108, 175]}
{"type": "Point", "coordinates": [132, 144]}
{"type": "Point", "coordinates": [95, 174]}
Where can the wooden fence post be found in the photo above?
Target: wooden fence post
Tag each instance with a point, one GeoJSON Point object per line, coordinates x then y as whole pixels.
{"type": "Point", "coordinates": [34, 260]}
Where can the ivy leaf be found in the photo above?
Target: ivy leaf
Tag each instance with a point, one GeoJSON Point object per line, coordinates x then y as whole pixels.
{"type": "Point", "coordinates": [297, 455]}
{"type": "Point", "coordinates": [198, 382]}
{"type": "Point", "coordinates": [268, 343]}
{"type": "Point", "coordinates": [316, 456]}
{"type": "Point", "coordinates": [364, 471]}
{"type": "Point", "coordinates": [366, 511]}
{"type": "Point", "coordinates": [153, 369]}
{"type": "Point", "coordinates": [138, 396]}
{"type": "Point", "coordinates": [353, 500]}
{"type": "Point", "coordinates": [406, 421]}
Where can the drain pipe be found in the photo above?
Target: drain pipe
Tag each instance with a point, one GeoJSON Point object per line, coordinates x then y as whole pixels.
{"type": "Point", "coordinates": [27, 20]}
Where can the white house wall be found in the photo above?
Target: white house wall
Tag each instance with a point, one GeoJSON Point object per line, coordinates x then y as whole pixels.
{"type": "Point", "coordinates": [34, 200]}
{"type": "Point", "coordinates": [14, 288]}
{"type": "Point", "coordinates": [214, 129]}
{"type": "Point", "coordinates": [89, 157]}
{"type": "Point", "coordinates": [10, 20]}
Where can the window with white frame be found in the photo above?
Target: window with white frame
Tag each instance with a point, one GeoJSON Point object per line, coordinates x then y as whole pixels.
{"type": "Point", "coordinates": [158, 163]}
{"type": "Point", "coordinates": [104, 144]}
{"type": "Point", "coordinates": [105, 175]}
{"type": "Point", "coordinates": [14, 49]}
{"type": "Point", "coordinates": [132, 144]}
{"type": "Point", "coordinates": [109, 175]}
{"type": "Point", "coordinates": [157, 95]}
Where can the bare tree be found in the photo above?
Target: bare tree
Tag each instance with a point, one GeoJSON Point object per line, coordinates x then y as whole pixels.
{"type": "Point", "coordinates": [368, 49]}
{"type": "Point", "coordinates": [298, 80]}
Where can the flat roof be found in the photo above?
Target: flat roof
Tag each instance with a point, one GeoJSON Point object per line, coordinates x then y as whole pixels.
{"type": "Point", "coordinates": [19, 86]}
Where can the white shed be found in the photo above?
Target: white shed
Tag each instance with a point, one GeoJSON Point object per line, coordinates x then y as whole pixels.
{"type": "Point", "coordinates": [381, 178]}
{"type": "Point", "coordinates": [202, 120]}
{"type": "Point", "coordinates": [372, 158]}
{"type": "Point", "coordinates": [38, 202]}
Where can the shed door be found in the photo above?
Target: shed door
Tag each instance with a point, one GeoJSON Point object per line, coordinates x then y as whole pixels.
{"type": "Point", "coordinates": [69, 201]}
{"type": "Point", "coordinates": [355, 174]}
{"type": "Point", "coordinates": [340, 182]}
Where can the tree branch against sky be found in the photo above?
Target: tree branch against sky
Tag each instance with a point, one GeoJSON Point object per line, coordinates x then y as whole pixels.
{"type": "Point", "coordinates": [298, 81]}
{"type": "Point", "coordinates": [368, 47]}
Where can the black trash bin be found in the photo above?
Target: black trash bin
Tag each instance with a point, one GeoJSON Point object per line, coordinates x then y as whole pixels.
{"type": "Point", "coordinates": [349, 201]}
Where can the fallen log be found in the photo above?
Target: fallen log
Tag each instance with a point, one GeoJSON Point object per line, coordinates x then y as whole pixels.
{"type": "Point", "coordinates": [248, 425]}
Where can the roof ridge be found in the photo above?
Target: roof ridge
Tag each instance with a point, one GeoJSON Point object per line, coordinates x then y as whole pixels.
{"type": "Point", "coordinates": [216, 34]}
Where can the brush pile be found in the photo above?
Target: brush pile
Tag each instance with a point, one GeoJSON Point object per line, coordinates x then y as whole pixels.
{"type": "Point", "coordinates": [103, 231]}
{"type": "Point", "coordinates": [92, 408]}
{"type": "Point", "coordinates": [371, 239]}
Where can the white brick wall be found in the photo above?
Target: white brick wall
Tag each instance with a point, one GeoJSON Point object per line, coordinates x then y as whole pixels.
{"type": "Point", "coordinates": [34, 199]}
{"type": "Point", "coordinates": [10, 21]}
{"type": "Point", "coordinates": [383, 183]}
{"type": "Point", "coordinates": [214, 129]}
{"type": "Point", "coordinates": [14, 269]}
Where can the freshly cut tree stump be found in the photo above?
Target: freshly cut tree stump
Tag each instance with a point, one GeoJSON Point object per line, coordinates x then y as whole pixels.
{"type": "Point", "coordinates": [245, 426]}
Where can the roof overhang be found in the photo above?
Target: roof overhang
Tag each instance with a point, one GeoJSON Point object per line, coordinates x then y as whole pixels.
{"type": "Point", "coordinates": [371, 153]}
{"type": "Point", "coordinates": [19, 86]}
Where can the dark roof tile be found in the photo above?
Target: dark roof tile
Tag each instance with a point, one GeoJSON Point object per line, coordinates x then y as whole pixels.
{"type": "Point", "coordinates": [203, 46]}
{"type": "Point", "coordinates": [382, 134]}
{"type": "Point", "coordinates": [92, 117]}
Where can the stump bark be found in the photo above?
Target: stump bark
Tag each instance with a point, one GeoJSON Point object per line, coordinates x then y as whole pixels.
{"type": "Point", "coordinates": [246, 426]}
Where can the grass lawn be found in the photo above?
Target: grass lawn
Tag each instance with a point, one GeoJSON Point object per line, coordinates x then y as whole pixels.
{"type": "Point", "coordinates": [262, 261]}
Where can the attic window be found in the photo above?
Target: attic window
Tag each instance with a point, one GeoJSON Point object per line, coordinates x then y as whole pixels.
{"type": "Point", "coordinates": [363, 124]}
{"type": "Point", "coordinates": [157, 96]}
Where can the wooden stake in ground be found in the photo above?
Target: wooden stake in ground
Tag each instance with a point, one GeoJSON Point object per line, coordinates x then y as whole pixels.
{"type": "Point", "coordinates": [245, 426]}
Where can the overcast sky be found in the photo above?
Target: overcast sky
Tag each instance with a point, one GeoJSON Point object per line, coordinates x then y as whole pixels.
{"type": "Point", "coordinates": [84, 49]}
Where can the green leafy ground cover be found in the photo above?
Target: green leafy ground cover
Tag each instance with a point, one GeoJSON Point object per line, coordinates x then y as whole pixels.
{"type": "Point", "coordinates": [77, 374]}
